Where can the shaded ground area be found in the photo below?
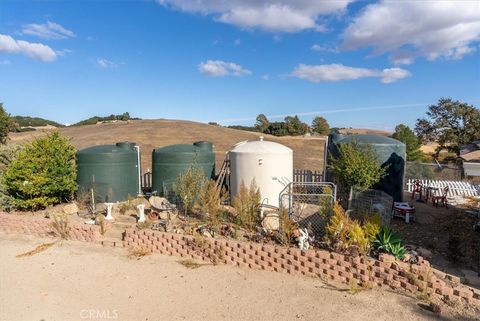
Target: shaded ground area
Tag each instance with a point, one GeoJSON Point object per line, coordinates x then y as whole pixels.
{"type": "Point", "coordinates": [150, 134]}
{"type": "Point", "coordinates": [448, 236]}
{"type": "Point", "coordinates": [68, 279]}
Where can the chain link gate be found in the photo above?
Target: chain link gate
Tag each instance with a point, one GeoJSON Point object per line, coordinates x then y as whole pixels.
{"type": "Point", "coordinates": [305, 202]}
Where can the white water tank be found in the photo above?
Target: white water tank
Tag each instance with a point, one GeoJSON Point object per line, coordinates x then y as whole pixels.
{"type": "Point", "coordinates": [269, 163]}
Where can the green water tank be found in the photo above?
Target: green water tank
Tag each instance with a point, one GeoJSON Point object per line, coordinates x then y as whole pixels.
{"type": "Point", "coordinates": [111, 170]}
{"type": "Point", "coordinates": [390, 152]}
{"type": "Point", "coordinates": [171, 161]}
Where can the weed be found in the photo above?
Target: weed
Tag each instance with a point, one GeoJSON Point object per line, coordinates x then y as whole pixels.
{"type": "Point", "coordinates": [287, 227]}
{"type": "Point", "coordinates": [38, 249]}
{"type": "Point", "coordinates": [247, 205]}
{"type": "Point", "coordinates": [100, 220]}
{"type": "Point", "coordinates": [145, 225]}
{"type": "Point", "coordinates": [137, 252]}
{"type": "Point", "coordinates": [60, 225]}
{"type": "Point", "coordinates": [190, 264]}
{"type": "Point", "coordinates": [354, 288]}
{"type": "Point", "coordinates": [210, 201]}
{"type": "Point", "coordinates": [188, 186]}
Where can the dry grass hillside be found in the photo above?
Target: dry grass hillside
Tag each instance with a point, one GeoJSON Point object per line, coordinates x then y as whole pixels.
{"type": "Point", "coordinates": [150, 134]}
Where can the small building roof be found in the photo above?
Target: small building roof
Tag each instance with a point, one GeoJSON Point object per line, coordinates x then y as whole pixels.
{"type": "Point", "coordinates": [472, 156]}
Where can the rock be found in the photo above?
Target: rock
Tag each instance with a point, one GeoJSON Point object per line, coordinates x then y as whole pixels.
{"type": "Point", "coordinates": [159, 202]}
{"type": "Point", "coordinates": [271, 221]}
{"type": "Point", "coordinates": [141, 201]}
{"type": "Point", "coordinates": [100, 207]}
{"type": "Point", "coordinates": [70, 209]}
{"type": "Point", "coordinates": [230, 210]}
{"type": "Point", "coordinates": [472, 278]}
{"type": "Point", "coordinates": [167, 215]}
{"type": "Point", "coordinates": [424, 252]}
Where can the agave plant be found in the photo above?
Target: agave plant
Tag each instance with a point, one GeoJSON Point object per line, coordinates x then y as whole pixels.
{"type": "Point", "coordinates": [389, 242]}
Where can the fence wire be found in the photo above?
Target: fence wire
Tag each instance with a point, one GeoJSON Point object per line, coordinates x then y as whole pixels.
{"type": "Point", "coordinates": [307, 204]}
{"type": "Point", "coordinates": [370, 202]}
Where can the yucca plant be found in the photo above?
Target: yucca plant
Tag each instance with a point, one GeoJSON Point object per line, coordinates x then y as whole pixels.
{"type": "Point", "coordinates": [398, 250]}
{"type": "Point", "coordinates": [389, 242]}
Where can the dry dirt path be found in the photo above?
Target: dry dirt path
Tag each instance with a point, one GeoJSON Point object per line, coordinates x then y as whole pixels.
{"type": "Point", "coordinates": [76, 281]}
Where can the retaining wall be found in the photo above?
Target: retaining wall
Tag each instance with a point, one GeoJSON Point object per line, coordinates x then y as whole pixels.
{"type": "Point", "coordinates": [356, 272]}
{"type": "Point", "coordinates": [42, 227]}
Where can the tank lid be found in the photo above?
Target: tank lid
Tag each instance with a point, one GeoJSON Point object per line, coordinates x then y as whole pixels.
{"type": "Point", "coordinates": [371, 139]}
{"type": "Point", "coordinates": [204, 145]}
{"type": "Point", "coordinates": [125, 145]}
{"type": "Point", "coordinates": [261, 147]}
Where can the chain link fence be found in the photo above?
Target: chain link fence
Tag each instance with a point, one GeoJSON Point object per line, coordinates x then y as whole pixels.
{"type": "Point", "coordinates": [309, 204]}
{"type": "Point", "coordinates": [370, 202]}
{"type": "Point", "coordinates": [449, 172]}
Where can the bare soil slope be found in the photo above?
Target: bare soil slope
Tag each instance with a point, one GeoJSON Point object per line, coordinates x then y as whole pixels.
{"type": "Point", "coordinates": [150, 134]}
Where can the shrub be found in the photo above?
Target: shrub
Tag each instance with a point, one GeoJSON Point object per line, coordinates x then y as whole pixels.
{"type": "Point", "coordinates": [247, 205]}
{"type": "Point", "coordinates": [357, 166]}
{"type": "Point", "coordinates": [188, 186]}
{"type": "Point", "coordinates": [210, 201]}
{"type": "Point", "coordinates": [287, 227]}
{"type": "Point", "coordinates": [43, 173]}
{"type": "Point", "coordinates": [7, 155]}
{"type": "Point", "coordinates": [342, 232]}
{"type": "Point", "coordinates": [5, 123]}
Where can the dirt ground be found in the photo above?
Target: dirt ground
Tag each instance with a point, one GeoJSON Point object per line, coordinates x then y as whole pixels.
{"type": "Point", "coordinates": [77, 281]}
{"type": "Point", "coordinates": [447, 234]}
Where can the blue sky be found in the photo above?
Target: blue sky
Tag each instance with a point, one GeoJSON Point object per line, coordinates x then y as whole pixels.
{"type": "Point", "coordinates": [357, 63]}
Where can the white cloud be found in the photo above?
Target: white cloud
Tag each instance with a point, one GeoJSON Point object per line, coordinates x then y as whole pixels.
{"type": "Point", "coordinates": [320, 48]}
{"type": "Point", "coordinates": [5, 62]}
{"type": "Point", "coordinates": [64, 52]}
{"type": "Point", "coordinates": [48, 30]}
{"type": "Point", "coordinates": [266, 77]}
{"type": "Point", "coordinates": [338, 72]}
{"type": "Point", "coordinates": [36, 51]}
{"type": "Point", "coordinates": [219, 68]}
{"type": "Point", "coordinates": [430, 29]}
{"type": "Point", "coordinates": [106, 64]}
{"type": "Point", "coordinates": [270, 15]}
{"type": "Point", "coordinates": [237, 42]}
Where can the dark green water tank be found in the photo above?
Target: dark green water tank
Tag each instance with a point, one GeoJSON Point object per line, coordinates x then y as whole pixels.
{"type": "Point", "coordinates": [111, 170]}
{"type": "Point", "coordinates": [171, 161]}
{"type": "Point", "coordinates": [390, 152]}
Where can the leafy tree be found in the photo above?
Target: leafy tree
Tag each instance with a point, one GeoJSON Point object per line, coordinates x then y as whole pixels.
{"type": "Point", "coordinates": [295, 127]}
{"type": "Point", "coordinates": [5, 124]}
{"type": "Point", "coordinates": [277, 129]}
{"type": "Point", "coordinates": [262, 123]}
{"type": "Point", "coordinates": [320, 126]}
{"type": "Point", "coordinates": [43, 173]}
{"type": "Point", "coordinates": [357, 166]}
{"type": "Point", "coordinates": [451, 124]}
{"type": "Point", "coordinates": [334, 130]}
{"type": "Point", "coordinates": [212, 123]}
{"type": "Point", "coordinates": [404, 134]}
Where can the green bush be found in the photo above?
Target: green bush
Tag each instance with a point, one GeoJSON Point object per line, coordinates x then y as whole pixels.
{"type": "Point", "coordinates": [7, 155]}
{"type": "Point", "coordinates": [357, 166]}
{"type": "Point", "coordinates": [42, 174]}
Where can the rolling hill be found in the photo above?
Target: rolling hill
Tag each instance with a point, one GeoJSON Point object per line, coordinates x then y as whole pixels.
{"type": "Point", "coordinates": [150, 134]}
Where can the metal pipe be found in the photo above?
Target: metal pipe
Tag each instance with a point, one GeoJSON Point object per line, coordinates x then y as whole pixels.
{"type": "Point", "coordinates": [137, 148]}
